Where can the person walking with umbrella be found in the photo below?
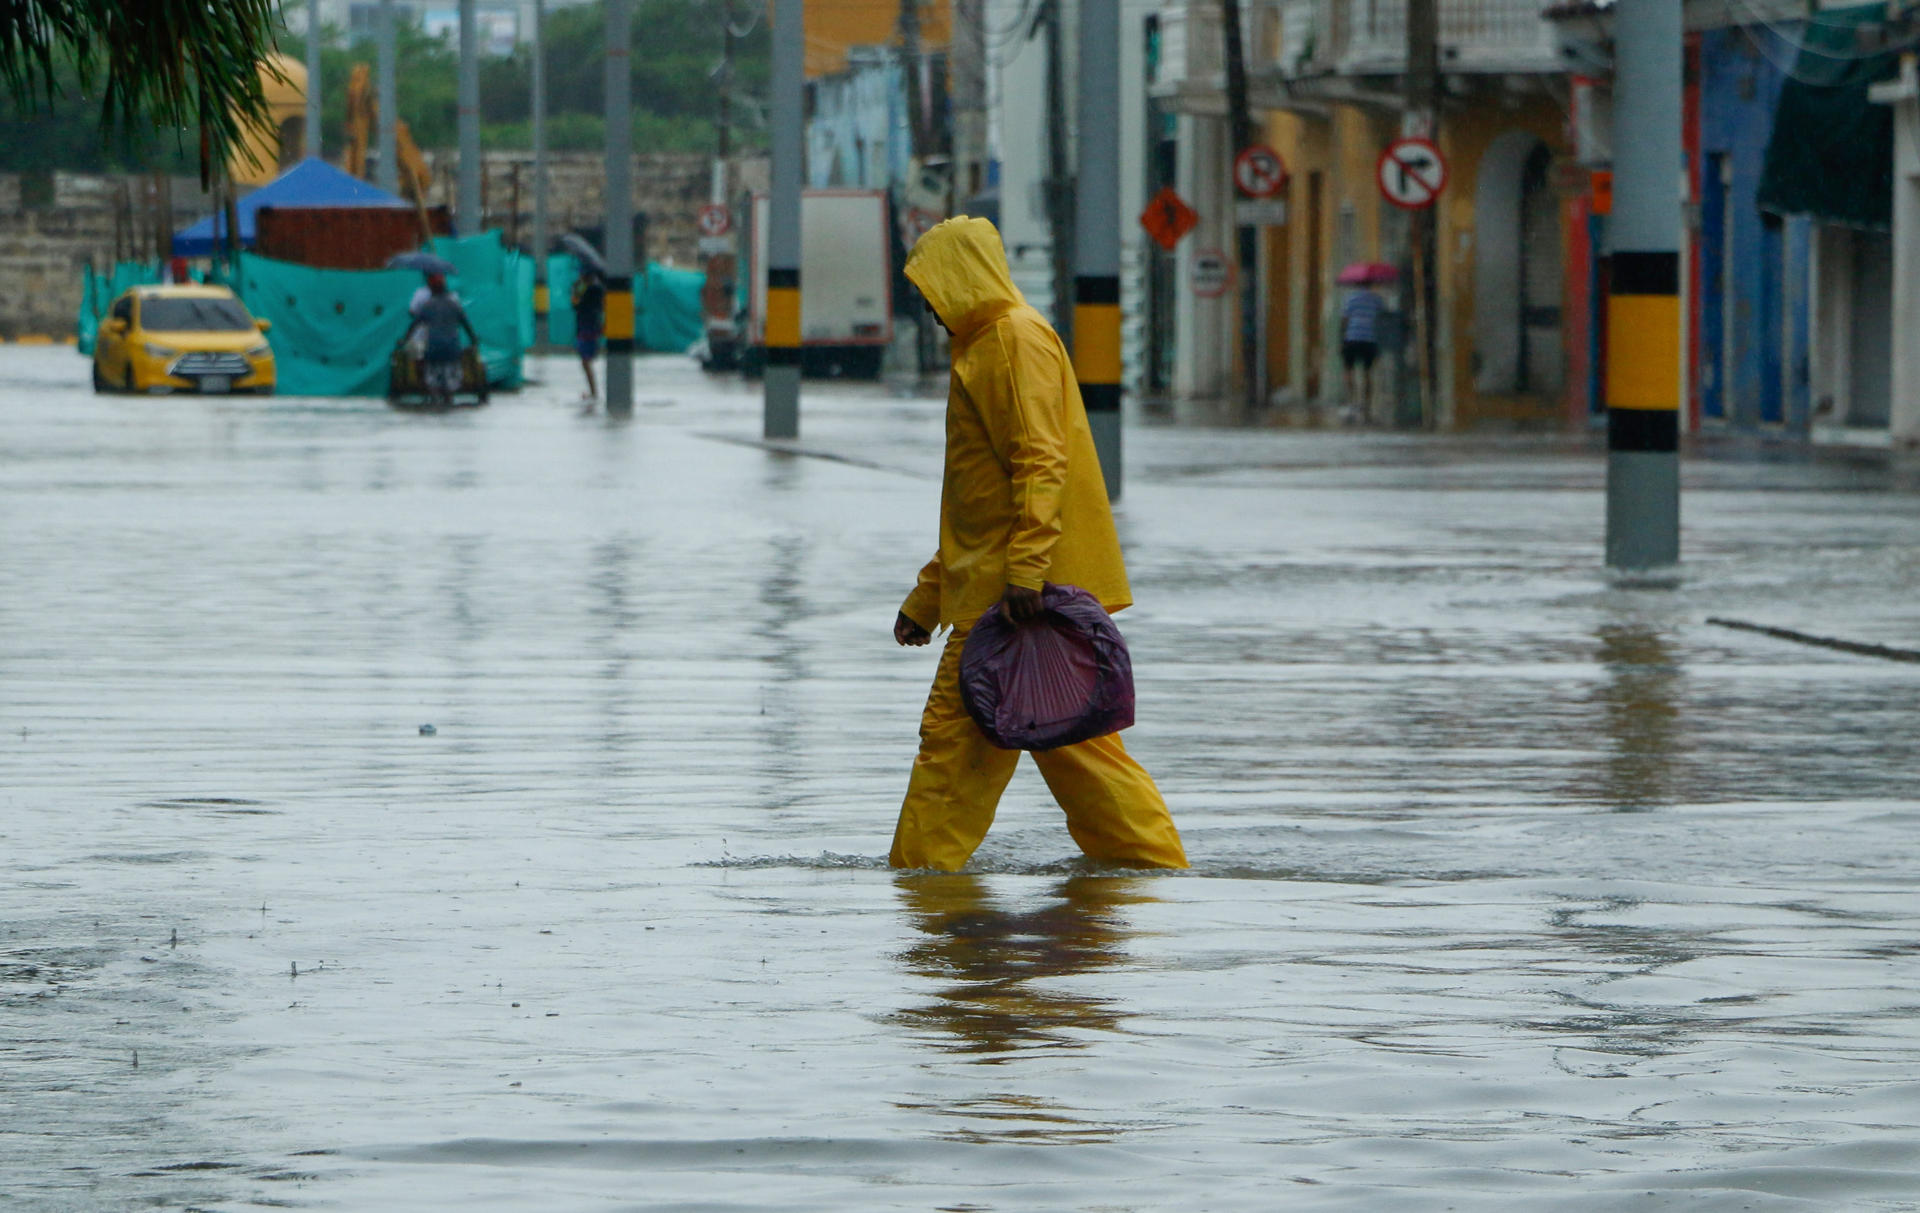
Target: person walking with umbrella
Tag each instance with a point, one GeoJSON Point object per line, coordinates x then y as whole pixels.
{"type": "Point", "coordinates": [589, 323]}
{"type": "Point", "coordinates": [589, 297]}
{"type": "Point", "coordinates": [1022, 504]}
{"type": "Point", "coordinates": [1360, 330]}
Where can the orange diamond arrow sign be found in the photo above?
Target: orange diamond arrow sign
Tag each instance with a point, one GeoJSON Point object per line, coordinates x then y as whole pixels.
{"type": "Point", "coordinates": [1167, 218]}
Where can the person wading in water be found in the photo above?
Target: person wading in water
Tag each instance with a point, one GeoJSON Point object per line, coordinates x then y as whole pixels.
{"type": "Point", "coordinates": [1023, 503]}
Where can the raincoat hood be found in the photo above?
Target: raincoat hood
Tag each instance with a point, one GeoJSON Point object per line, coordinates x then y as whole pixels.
{"type": "Point", "coordinates": [961, 267]}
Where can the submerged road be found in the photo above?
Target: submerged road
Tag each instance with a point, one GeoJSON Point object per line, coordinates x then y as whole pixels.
{"type": "Point", "coordinates": [1513, 889]}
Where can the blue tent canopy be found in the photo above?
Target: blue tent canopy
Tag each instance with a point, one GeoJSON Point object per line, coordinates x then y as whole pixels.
{"type": "Point", "coordinates": [309, 183]}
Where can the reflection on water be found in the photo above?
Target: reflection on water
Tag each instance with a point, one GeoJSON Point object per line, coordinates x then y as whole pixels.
{"type": "Point", "coordinates": [993, 966]}
{"type": "Point", "coordinates": [1641, 716]}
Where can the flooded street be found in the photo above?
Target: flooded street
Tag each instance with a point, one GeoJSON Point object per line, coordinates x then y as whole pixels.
{"type": "Point", "coordinates": [1512, 889]}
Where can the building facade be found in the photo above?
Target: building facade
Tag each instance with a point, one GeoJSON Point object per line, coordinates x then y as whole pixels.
{"type": "Point", "coordinates": [1327, 81]}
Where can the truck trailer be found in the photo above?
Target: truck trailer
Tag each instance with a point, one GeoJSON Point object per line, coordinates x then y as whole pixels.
{"type": "Point", "coordinates": [846, 283]}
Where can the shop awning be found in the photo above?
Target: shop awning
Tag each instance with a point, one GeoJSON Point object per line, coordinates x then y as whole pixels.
{"type": "Point", "coordinates": [1831, 153]}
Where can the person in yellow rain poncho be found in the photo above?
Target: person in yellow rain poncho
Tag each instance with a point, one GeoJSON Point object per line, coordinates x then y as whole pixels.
{"type": "Point", "coordinates": [1022, 504]}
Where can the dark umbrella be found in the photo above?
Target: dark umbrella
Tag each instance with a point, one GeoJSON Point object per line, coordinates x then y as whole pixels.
{"type": "Point", "coordinates": [426, 263]}
{"type": "Point", "coordinates": [583, 249]}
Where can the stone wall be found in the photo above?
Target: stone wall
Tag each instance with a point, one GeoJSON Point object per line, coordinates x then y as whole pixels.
{"type": "Point", "coordinates": [53, 226]}
{"type": "Point", "coordinates": [669, 189]}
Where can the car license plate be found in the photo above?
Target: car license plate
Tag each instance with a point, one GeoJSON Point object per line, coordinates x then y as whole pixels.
{"type": "Point", "coordinates": [215, 383]}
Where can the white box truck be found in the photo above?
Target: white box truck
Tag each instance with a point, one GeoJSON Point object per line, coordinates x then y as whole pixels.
{"type": "Point", "coordinates": [846, 283]}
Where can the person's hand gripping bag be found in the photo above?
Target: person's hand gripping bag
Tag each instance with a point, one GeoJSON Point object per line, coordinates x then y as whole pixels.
{"type": "Point", "coordinates": [1062, 677]}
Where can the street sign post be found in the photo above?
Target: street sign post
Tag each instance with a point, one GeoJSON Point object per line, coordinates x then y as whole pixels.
{"type": "Point", "coordinates": [1412, 173]}
{"type": "Point", "coordinates": [1258, 172]}
{"type": "Point", "coordinates": [1168, 218]}
{"type": "Point", "coordinates": [1212, 273]}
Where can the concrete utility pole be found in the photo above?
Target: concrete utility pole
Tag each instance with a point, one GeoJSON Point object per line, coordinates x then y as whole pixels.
{"type": "Point", "coordinates": [313, 141]}
{"type": "Point", "coordinates": [1643, 308]}
{"type": "Point", "coordinates": [1422, 119]}
{"type": "Point", "coordinates": [472, 222]}
{"type": "Point", "coordinates": [781, 413]}
{"type": "Point", "coordinates": [619, 222]}
{"type": "Point", "coordinates": [541, 303]}
{"type": "Point", "coordinates": [1246, 237]}
{"type": "Point", "coordinates": [1059, 195]}
{"type": "Point", "coordinates": [386, 144]}
{"type": "Point", "coordinates": [1096, 245]}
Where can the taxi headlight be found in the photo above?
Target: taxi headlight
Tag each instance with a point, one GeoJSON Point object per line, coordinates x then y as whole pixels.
{"type": "Point", "coordinates": [263, 350]}
{"type": "Point", "coordinates": [157, 351]}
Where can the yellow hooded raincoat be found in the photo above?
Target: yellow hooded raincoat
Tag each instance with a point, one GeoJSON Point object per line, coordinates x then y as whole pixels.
{"type": "Point", "coordinates": [1022, 503]}
{"type": "Point", "coordinates": [1023, 500]}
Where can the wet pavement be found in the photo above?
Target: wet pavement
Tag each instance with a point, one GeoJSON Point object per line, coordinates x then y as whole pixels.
{"type": "Point", "coordinates": [1514, 889]}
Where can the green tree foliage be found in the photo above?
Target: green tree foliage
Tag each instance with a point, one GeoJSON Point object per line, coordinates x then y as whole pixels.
{"type": "Point", "coordinates": [676, 78]}
{"type": "Point", "coordinates": [185, 66]}
{"type": "Point", "coordinates": [676, 87]}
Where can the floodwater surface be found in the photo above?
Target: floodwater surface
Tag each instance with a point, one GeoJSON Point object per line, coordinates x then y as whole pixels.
{"type": "Point", "coordinates": [1513, 889]}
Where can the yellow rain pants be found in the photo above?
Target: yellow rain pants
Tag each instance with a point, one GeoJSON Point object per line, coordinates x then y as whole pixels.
{"type": "Point", "coordinates": [1114, 811]}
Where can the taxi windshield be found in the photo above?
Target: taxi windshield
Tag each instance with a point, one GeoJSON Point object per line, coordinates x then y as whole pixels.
{"type": "Point", "coordinates": [194, 315]}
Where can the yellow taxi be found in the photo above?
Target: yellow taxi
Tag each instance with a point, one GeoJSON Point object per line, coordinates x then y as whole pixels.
{"type": "Point", "coordinates": [187, 338]}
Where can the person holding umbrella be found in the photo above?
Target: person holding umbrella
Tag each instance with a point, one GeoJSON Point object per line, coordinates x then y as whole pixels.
{"type": "Point", "coordinates": [589, 322]}
{"type": "Point", "coordinates": [589, 298]}
{"type": "Point", "coordinates": [1360, 329]}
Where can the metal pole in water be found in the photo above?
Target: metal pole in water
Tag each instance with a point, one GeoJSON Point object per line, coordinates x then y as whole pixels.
{"type": "Point", "coordinates": [386, 145]}
{"type": "Point", "coordinates": [781, 412]}
{"type": "Point", "coordinates": [1096, 245]}
{"type": "Point", "coordinates": [541, 302]}
{"type": "Point", "coordinates": [472, 222]}
{"type": "Point", "coordinates": [313, 142]}
{"type": "Point", "coordinates": [1643, 309]}
{"type": "Point", "coordinates": [619, 221]}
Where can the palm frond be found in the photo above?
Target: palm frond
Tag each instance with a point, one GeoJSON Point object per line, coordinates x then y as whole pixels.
{"type": "Point", "coordinates": [184, 66]}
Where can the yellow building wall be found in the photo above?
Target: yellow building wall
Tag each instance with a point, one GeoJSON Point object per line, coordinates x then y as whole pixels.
{"type": "Point", "coordinates": [1334, 214]}
{"type": "Point", "coordinates": [1341, 148]}
{"type": "Point", "coordinates": [1465, 138]}
{"type": "Point", "coordinates": [834, 26]}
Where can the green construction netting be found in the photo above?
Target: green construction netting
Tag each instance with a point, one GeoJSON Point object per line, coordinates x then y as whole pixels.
{"type": "Point", "coordinates": [333, 330]}
{"type": "Point", "coordinates": [666, 305]}
{"type": "Point", "coordinates": [98, 291]}
{"type": "Point", "coordinates": [1831, 152]}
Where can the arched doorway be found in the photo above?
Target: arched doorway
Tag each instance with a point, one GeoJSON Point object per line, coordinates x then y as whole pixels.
{"type": "Point", "coordinates": [1518, 272]}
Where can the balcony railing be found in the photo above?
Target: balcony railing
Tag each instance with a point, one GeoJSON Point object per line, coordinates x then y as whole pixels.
{"type": "Point", "coordinates": [1305, 38]}
{"type": "Point", "coordinates": [1369, 37]}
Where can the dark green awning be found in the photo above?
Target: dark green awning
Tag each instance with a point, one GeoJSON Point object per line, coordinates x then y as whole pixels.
{"type": "Point", "coordinates": [1831, 152]}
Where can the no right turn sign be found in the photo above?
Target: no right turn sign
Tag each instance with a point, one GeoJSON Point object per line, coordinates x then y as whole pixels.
{"type": "Point", "coordinates": [1412, 173]}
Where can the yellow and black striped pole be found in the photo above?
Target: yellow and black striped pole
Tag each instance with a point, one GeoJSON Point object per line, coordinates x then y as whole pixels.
{"type": "Point", "coordinates": [1644, 321]}
{"type": "Point", "coordinates": [619, 210]}
{"type": "Point", "coordinates": [787, 101]}
{"type": "Point", "coordinates": [1096, 283]}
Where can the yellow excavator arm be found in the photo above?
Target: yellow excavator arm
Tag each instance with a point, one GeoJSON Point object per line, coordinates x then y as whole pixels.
{"type": "Point", "coordinates": [363, 110]}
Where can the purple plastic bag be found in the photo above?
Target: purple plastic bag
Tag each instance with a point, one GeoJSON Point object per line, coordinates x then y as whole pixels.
{"type": "Point", "coordinates": [1061, 678]}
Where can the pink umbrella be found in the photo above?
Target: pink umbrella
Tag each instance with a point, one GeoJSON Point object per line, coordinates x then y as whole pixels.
{"type": "Point", "coordinates": [1368, 273]}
